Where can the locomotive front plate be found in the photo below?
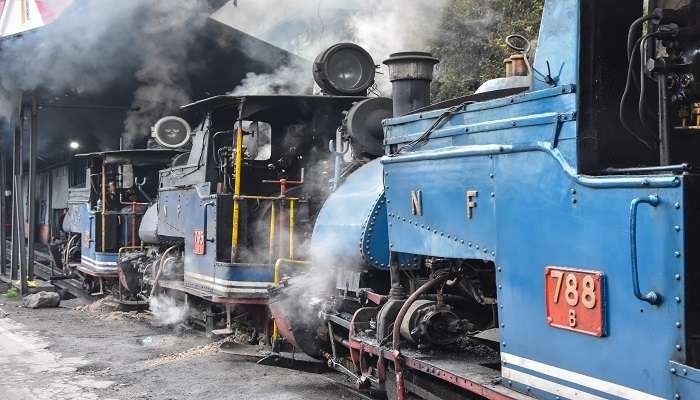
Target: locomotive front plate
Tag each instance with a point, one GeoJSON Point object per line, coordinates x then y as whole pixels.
{"type": "Point", "coordinates": [574, 300]}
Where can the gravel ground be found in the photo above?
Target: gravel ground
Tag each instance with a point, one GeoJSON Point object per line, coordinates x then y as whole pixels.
{"type": "Point", "coordinates": [71, 354]}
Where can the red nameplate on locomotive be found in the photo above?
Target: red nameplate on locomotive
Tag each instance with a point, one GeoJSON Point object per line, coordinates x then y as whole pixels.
{"type": "Point", "coordinates": [574, 300]}
{"type": "Point", "coordinates": [200, 244]}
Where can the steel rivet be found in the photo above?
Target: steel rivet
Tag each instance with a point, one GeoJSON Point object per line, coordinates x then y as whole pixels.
{"type": "Point", "coordinates": [678, 324]}
{"type": "Point", "coordinates": [678, 299]}
{"type": "Point", "coordinates": [503, 325]}
{"type": "Point", "coordinates": [677, 228]}
{"type": "Point", "coordinates": [493, 253]}
{"type": "Point", "coordinates": [462, 241]}
{"type": "Point", "coordinates": [677, 205]}
{"type": "Point", "coordinates": [678, 277]}
{"type": "Point", "coordinates": [500, 286]}
{"type": "Point", "coordinates": [490, 175]}
{"type": "Point", "coordinates": [678, 347]}
{"type": "Point", "coordinates": [677, 253]}
{"type": "Point", "coordinates": [677, 396]}
{"type": "Point", "coordinates": [673, 370]}
{"type": "Point", "coordinates": [573, 191]}
{"type": "Point", "coordinates": [685, 371]}
{"type": "Point", "coordinates": [499, 269]}
{"type": "Point", "coordinates": [469, 244]}
{"type": "Point", "coordinates": [501, 306]}
{"type": "Point", "coordinates": [503, 344]}
{"type": "Point", "coordinates": [476, 247]}
{"type": "Point", "coordinates": [574, 200]}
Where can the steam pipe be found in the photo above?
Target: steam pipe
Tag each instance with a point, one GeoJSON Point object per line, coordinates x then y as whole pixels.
{"type": "Point", "coordinates": [133, 205]}
{"type": "Point", "coordinates": [66, 256]}
{"type": "Point", "coordinates": [291, 229]}
{"type": "Point", "coordinates": [271, 249]}
{"type": "Point", "coordinates": [396, 332]}
{"type": "Point", "coordinates": [160, 269]}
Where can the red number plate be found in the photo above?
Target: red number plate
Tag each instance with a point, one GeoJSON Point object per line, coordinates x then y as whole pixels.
{"type": "Point", "coordinates": [199, 243]}
{"type": "Point", "coordinates": [574, 300]}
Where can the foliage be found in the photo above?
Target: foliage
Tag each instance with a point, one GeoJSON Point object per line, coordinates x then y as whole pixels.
{"type": "Point", "coordinates": [12, 293]}
{"type": "Point", "coordinates": [472, 46]}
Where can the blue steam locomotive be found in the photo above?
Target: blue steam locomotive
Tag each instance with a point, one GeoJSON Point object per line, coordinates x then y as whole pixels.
{"type": "Point", "coordinates": [530, 240]}
{"type": "Point", "coordinates": [535, 238]}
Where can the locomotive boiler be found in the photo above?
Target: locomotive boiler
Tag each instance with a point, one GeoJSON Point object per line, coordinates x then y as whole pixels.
{"type": "Point", "coordinates": [531, 240]}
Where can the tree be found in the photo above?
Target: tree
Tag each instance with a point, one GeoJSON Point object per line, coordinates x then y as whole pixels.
{"type": "Point", "coordinates": [471, 45]}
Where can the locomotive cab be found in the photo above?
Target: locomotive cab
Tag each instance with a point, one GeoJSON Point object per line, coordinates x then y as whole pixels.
{"type": "Point", "coordinates": [104, 214]}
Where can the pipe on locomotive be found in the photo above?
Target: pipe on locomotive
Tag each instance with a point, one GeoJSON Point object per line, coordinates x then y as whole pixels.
{"type": "Point", "coordinates": [237, 191]}
{"type": "Point", "coordinates": [410, 73]}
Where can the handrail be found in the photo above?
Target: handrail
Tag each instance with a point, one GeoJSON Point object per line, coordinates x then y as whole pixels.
{"type": "Point", "coordinates": [278, 267]}
{"type": "Point", "coordinates": [652, 297]}
{"type": "Point", "coordinates": [602, 182]}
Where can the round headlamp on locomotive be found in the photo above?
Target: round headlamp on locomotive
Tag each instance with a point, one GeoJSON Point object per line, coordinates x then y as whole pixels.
{"type": "Point", "coordinates": [344, 69]}
{"type": "Point", "coordinates": [171, 132]}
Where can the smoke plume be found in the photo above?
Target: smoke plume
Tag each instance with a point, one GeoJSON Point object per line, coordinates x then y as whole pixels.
{"type": "Point", "coordinates": [96, 43]}
{"type": "Point", "coordinates": [306, 27]}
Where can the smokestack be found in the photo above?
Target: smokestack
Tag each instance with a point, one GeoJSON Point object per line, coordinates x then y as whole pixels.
{"type": "Point", "coordinates": [410, 73]}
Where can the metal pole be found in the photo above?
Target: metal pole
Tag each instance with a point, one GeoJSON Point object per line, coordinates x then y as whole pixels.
{"type": "Point", "coordinates": [16, 261]}
{"type": "Point", "coordinates": [31, 191]}
{"type": "Point", "coordinates": [13, 208]}
{"type": "Point", "coordinates": [20, 243]}
{"type": "Point", "coordinates": [3, 213]}
{"type": "Point", "coordinates": [49, 210]}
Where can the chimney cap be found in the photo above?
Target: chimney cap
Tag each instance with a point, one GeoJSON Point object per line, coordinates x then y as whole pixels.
{"type": "Point", "coordinates": [411, 65]}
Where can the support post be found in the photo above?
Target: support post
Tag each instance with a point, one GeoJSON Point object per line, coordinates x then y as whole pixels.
{"type": "Point", "coordinates": [31, 190]}
{"type": "Point", "coordinates": [21, 249]}
{"type": "Point", "coordinates": [17, 244]}
{"type": "Point", "coordinates": [49, 210]}
{"type": "Point", "coordinates": [3, 215]}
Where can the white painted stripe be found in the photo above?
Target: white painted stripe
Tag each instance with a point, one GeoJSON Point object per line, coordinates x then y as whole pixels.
{"type": "Point", "coordinates": [95, 262]}
{"type": "Point", "coordinates": [580, 379]}
{"type": "Point", "coordinates": [548, 386]}
{"type": "Point", "coordinates": [224, 289]}
{"type": "Point", "coordinates": [226, 282]}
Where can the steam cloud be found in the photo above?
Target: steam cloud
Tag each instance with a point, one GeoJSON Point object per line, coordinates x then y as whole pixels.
{"type": "Point", "coordinates": [166, 311]}
{"type": "Point", "coordinates": [95, 43]}
{"type": "Point", "coordinates": [306, 27]}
